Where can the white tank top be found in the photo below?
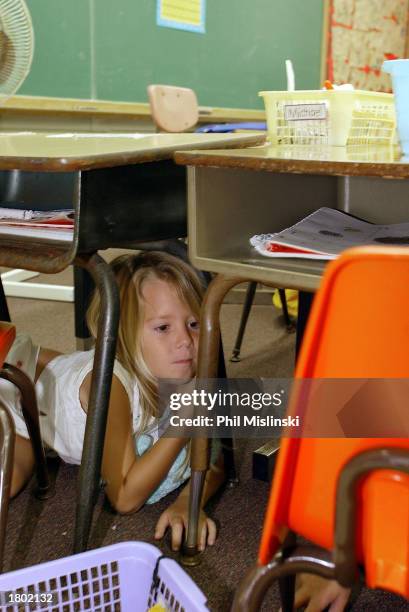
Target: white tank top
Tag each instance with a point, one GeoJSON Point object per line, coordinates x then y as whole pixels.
{"type": "Point", "coordinates": [62, 418]}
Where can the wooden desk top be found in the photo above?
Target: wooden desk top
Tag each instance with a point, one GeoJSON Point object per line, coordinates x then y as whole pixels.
{"type": "Point", "coordinates": [64, 152]}
{"type": "Point", "coordinates": [382, 161]}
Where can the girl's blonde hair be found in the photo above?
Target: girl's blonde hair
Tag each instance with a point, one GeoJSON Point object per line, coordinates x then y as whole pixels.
{"type": "Point", "coordinates": [131, 271]}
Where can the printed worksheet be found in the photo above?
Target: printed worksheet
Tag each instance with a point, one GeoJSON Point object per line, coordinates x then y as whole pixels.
{"type": "Point", "coordinates": [326, 233]}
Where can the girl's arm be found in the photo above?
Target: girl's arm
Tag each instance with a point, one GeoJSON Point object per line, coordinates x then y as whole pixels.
{"type": "Point", "coordinates": [130, 479]}
{"type": "Point", "coordinates": [176, 516]}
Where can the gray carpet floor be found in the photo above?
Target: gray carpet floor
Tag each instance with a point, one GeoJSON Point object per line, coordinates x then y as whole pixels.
{"type": "Point", "coordinates": [41, 531]}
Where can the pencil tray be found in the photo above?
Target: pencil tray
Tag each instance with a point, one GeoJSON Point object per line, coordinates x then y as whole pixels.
{"type": "Point", "coordinates": [121, 577]}
{"type": "Point", "coordinates": [333, 117]}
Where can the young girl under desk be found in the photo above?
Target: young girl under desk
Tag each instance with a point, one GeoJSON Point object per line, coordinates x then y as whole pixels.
{"type": "Point", "coordinates": [158, 336]}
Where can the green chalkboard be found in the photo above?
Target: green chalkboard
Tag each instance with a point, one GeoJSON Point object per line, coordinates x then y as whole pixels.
{"type": "Point", "coordinates": [111, 50]}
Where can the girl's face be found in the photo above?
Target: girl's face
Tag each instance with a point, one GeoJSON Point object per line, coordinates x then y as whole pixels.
{"type": "Point", "coordinates": [170, 332]}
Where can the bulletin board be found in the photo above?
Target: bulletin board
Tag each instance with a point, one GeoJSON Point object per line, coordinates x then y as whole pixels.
{"type": "Point", "coordinates": [358, 36]}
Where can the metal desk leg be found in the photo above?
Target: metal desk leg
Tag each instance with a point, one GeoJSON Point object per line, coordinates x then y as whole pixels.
{"type": "Point", "coordinates": [7, 437]}
{"type": "Point", "coordinates": [83, 288]}
{"type": "Point", "coordinates": [264, 458]}
{"type": "Point", "coordinates": [305, 300]}
{"type": "Point", "coordinates": [209, 344]}
{"type": "Point", "coordinates": [248, 302]}
{"type": "Point", "coordinates": [89, 475]}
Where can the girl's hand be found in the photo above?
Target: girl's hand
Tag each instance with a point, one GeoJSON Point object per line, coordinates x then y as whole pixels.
{"type": "Point", "coordinates": [318, 593]}
{"type": "Point", "coordinates": [176, 518]}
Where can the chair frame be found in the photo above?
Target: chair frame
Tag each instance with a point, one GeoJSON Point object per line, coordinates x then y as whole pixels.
{"type": "Point", "coordinates": [31, 417]}
{"type": "Point", "coordinates": [7, 442]}
{"type": "Point", "coordinates": [342, 565]}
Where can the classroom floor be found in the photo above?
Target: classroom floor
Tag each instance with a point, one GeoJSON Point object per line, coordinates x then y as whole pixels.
{"type": "Point", "coordinates": [38, 532]}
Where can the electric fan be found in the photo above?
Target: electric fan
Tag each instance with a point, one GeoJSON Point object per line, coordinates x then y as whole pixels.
{"type": "Point", "coordinates": [16, 46]}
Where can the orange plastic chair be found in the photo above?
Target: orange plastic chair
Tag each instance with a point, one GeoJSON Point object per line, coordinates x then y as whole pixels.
{"type": "Point", "coordinates": [174, 109]}
{"type": "Point", "coordinates": [349, 496]}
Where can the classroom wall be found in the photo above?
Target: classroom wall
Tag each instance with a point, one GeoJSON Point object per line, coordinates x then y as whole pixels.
{"type": "Point", "coordinates": [112, 49]}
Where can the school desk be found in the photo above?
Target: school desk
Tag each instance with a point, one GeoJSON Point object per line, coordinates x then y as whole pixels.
{"type": "Point", "coordinates": [124, 189]}
{"type": "Point", "coordinates": [233, 195]}
{"type": "Point", "coordinates": [38, 113]}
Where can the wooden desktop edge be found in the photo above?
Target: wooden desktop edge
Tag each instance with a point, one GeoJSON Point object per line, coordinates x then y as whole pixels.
{"type": "Point", "coordinates": [386, 170]}
{"type": "Point", "coordinates": [39, 105]}
{"type": "Point", "coordinates": [109, 160]}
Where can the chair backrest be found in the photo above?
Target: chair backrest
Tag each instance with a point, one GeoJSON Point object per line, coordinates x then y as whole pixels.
{"type": "Point", "coordinates": [174, 109]}
{"type": "Point", "coordinates": [358, 328]}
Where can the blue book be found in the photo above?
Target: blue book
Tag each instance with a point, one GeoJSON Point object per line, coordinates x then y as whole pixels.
{"type": "Point", "coordinates": [231, 127]}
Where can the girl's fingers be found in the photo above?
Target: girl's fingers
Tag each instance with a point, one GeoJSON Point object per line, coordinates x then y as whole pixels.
{"type": "Point", "coordinates": [203, 536]}
{"type": "Point", "coordinates": [211, 532]}
{"type": "Point", "coordinates": [301, 597]}
{"type": "Point", "coordinates": [334, 598]}
{"type": "Point", "coordinates": [340, 603]}
{"type": "Point", "coordinates": [207, 534]}
{"type": "Point", "coordinates": [208, 531]}
{"type": "Point", "coordinates": [177, 532]}
{"type": "Point", "coordinates": [314, 607]}
{"type": "Point", "coordinates": [161, 526]}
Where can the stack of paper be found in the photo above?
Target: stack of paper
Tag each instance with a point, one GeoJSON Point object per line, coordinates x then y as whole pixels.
{"type": "Point", "coordinates": [50, 224]}
{"type": "Point", "coordinates": [327, 232]}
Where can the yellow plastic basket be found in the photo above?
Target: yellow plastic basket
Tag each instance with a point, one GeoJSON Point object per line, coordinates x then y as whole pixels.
{"type": "Point", "coordinates": [334, 117]}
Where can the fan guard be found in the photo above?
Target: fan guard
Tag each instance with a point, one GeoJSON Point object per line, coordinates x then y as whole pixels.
{"type": "Point", "coordinates": [16, 45]}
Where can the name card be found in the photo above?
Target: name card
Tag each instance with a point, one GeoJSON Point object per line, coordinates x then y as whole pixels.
{"type": "Point", "coordinates": [305, 112]}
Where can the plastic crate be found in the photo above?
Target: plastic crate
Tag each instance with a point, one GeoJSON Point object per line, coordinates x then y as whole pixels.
{"type": "Point", "coordinates": [112, 578]}
{"type": "Point", "coordinates": [333, 117]}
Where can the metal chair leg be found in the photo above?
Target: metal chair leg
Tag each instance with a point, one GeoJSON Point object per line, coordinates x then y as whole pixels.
{"type": "Point", "coordinates": [89, 475]}
{"type": "Point", "coordinates": [251, 290]}
{"type": "Point", "coordinates": [304, 306]}
{"type": "Point", "coordinates": [7, 437]}
{"type": "Point", "coordinates": [248, 302]}
{"type": "Point", "coordinates": [232, 479]}
{"type": "Point", "coordinates": [289, 324]}
{"type": "Point", "coordinates": [254, 586]}
{"type": "Point", "coordinates": [286, 584]}
{"type": "Point", "coordinates": [30, 412]}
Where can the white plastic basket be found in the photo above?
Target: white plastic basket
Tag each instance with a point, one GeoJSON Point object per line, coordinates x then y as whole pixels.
{"type": "Point", "coordinates": [333, 117]}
